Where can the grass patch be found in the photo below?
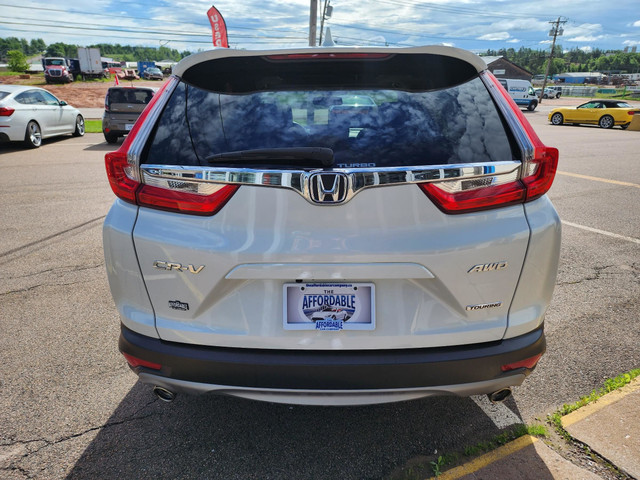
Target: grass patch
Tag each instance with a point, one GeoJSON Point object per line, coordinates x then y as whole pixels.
{"type": "Point", "coordinates": [435, 466]}
{"type": "Point", "coordinates": [609, 386]}
{"type": "Point", "coordinates": [93, 126]}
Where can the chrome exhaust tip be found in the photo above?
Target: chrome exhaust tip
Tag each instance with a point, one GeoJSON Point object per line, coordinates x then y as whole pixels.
{"type": "Point", "coordinates": [500, 395]}
{"type": "Point", "coordinates": [164, 394]}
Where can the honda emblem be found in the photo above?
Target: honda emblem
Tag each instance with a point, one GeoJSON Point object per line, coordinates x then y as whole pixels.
{"type": "Point", "coordinates": [328, 188]}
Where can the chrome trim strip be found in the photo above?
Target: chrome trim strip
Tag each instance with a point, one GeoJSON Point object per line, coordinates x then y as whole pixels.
{"type": "Point", "coordinates": [526, 147]}
{"type": "Point", "coordinates": [299, 180]}
{"type": "Point", "coordinates": [138, 143]}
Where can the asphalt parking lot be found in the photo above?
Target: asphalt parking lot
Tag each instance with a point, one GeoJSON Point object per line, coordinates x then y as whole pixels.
{"type": "Point", "coordinates": [70, 407]}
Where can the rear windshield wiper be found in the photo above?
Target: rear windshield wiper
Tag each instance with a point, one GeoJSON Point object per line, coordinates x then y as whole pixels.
{"type": "Point", "coordinates": [303, 157]}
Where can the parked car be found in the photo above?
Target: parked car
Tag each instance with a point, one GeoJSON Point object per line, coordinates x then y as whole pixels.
{"type": "Point", "coordinates": [557, 90]}
{"type": "Point", "coordinates": [604, 113]}
{"type": "Point", "coordinates": [240, 211]}
{"type": "Point", "coordinates": [152, 73]}
{"type": "Point", "coordinates": [122, 107]}
{"type": "Point", "coordinates": [30, 114]}
{"type": "Point", "coordinates": [548, 93]}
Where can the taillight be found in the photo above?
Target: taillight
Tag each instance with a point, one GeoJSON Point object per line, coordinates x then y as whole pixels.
{"type": "Point", "coordinates": [6, 111]}
{"type": "Point", "coordinates": [126, 184]}
{"type": "Point", "coordinates": [493, 191]}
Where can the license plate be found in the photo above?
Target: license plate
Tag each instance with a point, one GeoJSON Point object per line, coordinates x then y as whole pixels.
{"type": "Point", "coordinates": [329, 306]}
{"type": "Point", "coordinates": [128, 126]}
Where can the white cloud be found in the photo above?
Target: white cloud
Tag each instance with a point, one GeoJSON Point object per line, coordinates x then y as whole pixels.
{"type": "Point", "coordinates": [636, 24]}
{"type": "Point", "coordinates": [513, 40]}
{"type": "Point", "coordinates": [586, 49]}
{"type": "Point", "coordinates": [495, 36]}
{"type": "Point", "coordinates": [585, 38]}
{"type": "Point", "coordinates": [631, 42]}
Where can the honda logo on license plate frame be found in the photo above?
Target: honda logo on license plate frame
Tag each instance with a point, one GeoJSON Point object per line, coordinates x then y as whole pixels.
{"type": "Point", "coordinates": [328, 188]}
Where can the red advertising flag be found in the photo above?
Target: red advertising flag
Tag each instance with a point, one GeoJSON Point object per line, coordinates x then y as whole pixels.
{"type": "Point", "coordinates": [218, 27]}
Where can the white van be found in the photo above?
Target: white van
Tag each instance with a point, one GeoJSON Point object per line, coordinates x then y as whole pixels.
{"type": "Point", "coordinates": [521, 91]}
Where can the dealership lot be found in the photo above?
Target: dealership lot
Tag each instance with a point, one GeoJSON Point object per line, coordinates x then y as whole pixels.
{"type": "Point", "coordinates": [69, 405]}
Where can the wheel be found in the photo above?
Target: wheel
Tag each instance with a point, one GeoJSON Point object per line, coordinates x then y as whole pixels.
{"type": "Point", "coordinates": [606, 121]}
{"type": "Point", "coordinates": [79, 131]}
{"type": "Point", "coordinates": [558, 95]}
{"type": "Point", "coordinates": [545, 96]}
{"type": "Point", "coordinates": [557, 119]}
{"type": "Point", "coordinates": [625, 126]}
{"type": "Point", "coordinates": [110, 137]}
{"type": "Point", "coordinates": [532, 106]}
{"type": "Point", "coordinates": [33, 135]}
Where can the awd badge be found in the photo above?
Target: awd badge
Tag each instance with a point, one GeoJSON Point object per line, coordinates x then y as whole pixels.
{"type": "Point", "coordinates": [488, 267]}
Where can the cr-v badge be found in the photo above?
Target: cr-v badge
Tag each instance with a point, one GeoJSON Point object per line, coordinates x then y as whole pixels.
{"type": "Point", "coordinates": [177, 266]}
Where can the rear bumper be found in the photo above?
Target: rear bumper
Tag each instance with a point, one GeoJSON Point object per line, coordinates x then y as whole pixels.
{"type": "Point", "coordinates": [349, 377]}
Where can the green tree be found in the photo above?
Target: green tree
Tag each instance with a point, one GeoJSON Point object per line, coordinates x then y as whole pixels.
{"type": "Point", "coordinates": [55, 50]}
{"type": "Point", "coordinates": [17, 61]}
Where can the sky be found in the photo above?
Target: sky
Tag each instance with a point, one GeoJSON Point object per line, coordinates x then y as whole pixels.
{"type": "Point", "coordinates": [476, 25]}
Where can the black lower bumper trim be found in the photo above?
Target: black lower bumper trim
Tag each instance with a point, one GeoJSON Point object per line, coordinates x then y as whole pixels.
{"type": "Point", "coordinates": [333, 370]}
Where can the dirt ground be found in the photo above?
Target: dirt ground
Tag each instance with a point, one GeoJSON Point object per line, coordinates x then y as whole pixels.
{"type": "Point", "coordinates": [77, 94]}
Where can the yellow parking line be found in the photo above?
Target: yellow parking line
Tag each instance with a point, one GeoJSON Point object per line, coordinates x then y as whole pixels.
{"type": "Point", "coordinates": [488, 458]}
{"type": "Point", "coordinates": [598, 179]}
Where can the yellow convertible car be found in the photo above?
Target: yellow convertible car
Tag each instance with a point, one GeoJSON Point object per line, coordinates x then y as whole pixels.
{"type": "Point", "coordinates": [605, 113]}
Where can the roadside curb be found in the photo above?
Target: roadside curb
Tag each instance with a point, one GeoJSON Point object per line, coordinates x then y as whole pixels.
{"type": "Point", "coordinates": [603, 402]}
{"type": "Point", "coordinates": [607, 426]}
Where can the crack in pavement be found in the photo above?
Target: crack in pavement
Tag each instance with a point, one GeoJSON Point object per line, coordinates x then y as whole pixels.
{"type": "Point", "coordinates": [48, 284]}
{"type": "Point", "coordinates": [9, 255]}
{"type": "Point", "coordinates": [50, 443]}
{"type": "Point", "coordinates": [64, 269]}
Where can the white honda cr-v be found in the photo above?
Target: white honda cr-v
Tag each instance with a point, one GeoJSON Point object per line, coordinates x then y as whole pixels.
{"type": "Point", "coordinates": [257, 190]}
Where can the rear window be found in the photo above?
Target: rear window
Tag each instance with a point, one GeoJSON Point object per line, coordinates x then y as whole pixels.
{"type": "Point", "coordinates": [371, 113]}
{"type": "Point", "coordinates": [4, 94]}
{"type": "Point", "coordinates": [129, 95]}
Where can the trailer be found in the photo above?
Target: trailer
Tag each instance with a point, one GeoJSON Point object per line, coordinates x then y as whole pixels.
{"type": "Point", "coordinates": [91, 63]}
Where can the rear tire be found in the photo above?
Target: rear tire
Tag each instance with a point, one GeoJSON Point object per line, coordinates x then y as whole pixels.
{"type": "Point", "coordinates": [557, 119]}
{"type": "Point", "coordinates": [532, 106]}
{"type": "Point", "coordinates": [625, 126]}
{"type": "Point", "coordinates": [79, 131]}
{"type": "Point", "coordinates": [606, 121]}
{"type": "Point", "coordinates": [110, 138]}
{"type": "Point", "coordinates": [33, 135]}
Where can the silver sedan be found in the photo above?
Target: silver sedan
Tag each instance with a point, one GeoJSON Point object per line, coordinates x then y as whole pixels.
{"type": "Point", "coordinates": [30, 114]}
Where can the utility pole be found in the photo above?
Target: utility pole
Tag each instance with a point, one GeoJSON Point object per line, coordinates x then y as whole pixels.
{"type": "Point", "coordinates": [555, 31]}
{"type": "Point", "coordinates": [313, 22]}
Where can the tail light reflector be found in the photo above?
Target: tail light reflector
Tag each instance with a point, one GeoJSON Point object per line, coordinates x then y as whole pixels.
{"type": "Point", "coordinates": [527, 363]}
{"type": "Point", "coordinates": [6, 111]}
{"type": "Point", "coordinates": [135, 362]}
